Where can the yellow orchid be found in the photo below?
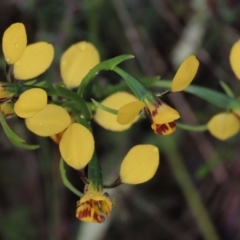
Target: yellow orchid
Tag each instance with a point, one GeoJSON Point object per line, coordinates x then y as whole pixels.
{"type": "Point", "coordinates": [226, 124]}
{"type": "Point", "coordinates": [115, 101]}
{"type": "Point", "coordinates": [162, 115]}
{"type": "Point", "coordinates": [76, 62]}
{"type": "Point", "coordinates": [94, 206]}
{"type": "Point", "coordinates": [28, 61]}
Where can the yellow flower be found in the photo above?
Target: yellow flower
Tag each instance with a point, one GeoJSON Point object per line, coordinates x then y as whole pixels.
{"type": "Point", "coordinates": [29, 61]}
{"type": "Point", "coordinates": [162, 115]}
{"type": "Point", "coordinates": [226, 124]}
{"type": "Point", "coordinates": [7, 109]}
{"type": "Point", "coordinates": [94, 206]}
{"type": "Point", "coordinates": [140, 164]}
{"type": "Point", "coordinates": [115, 101]}
{"type": "Point", "coordinates": [76, 62]}
{"type": "Point", "coordinates": [7, 91]}
{"type": "Point", "coordinates": [77, 146]}
{"type": "Point", "coordinates": [14, 42]}
{"type": "Point", "coordinates": [30, 102]}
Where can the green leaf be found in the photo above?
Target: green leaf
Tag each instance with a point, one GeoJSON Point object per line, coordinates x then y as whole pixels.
{"type": "Point", "coordinates": [104, 108]}
{"type": "Point", "coordinates": [13, 137]}
{"type": "Point", "coordinates": [227, 89]}
{"type": "Point", "coordinates": [105, 65]}
{"type": "Point", "coordinates": [218, 99]}
{"type": "Point", "coordinates": [135, 85]}
{"type": "Point", "coordinates": [67, 93]}
{"type": "Point", "coordinates": [66, 181]}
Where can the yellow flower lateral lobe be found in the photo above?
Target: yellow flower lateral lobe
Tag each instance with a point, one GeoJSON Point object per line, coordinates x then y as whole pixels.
{"type": "Point", "coordinates": [234, 58]}
{"type": "Point", "coordinates": [185, 74]}
{"type": "Point", "coordinates": [164, 129]}
{"type": "Point", "coordinates": [129, 112]}
{"type": "Point", "coordinates": [115, 101]}
{"type": "Point", "coordinates": [160, 112]}
{"type": "Point", "coordinates": [49, 121]}
{"type": "Point", "coordinates": [14, 42]}
{"type": "Point", "coordinates": [35, 60]}
{"type": "Point", "coordinates": [93, 207]}
{"type": "Point", "coordinates": [7, 91]}
{"type": "Point", "coordinates": [76, 62]}
{"type": "Point", "coordinates": [224, 125]}
{"type": "Point", "coordinates": [140, 164]}
{"type": "Point", "coordinates": [30, 102]}
{"type": "Point", "coordinates": [7, 109]}
{"type": "Point", "coordinates": [77, 146]}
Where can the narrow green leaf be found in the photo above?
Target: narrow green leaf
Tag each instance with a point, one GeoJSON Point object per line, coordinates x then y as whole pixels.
{"type": "Point", "coordinates": [218, 99]}
{"type": "Point", "coordinates": [227, 89]}
{"type": "Point", "coordinates": [66, 181]}
{"type": "Point", "coordinates": [67, 93]}
{"type": "Point", "coordinates": [105, 65]}
{"type": "Point", "coordinates": [135, 85]}
{"type": "Point", "coordinates": [13, 137]}
{"type": "Point", "coordinates": [104, 108]}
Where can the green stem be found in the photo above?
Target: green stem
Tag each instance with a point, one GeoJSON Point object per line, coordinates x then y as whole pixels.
{"type": "Point", "coordinates": [95, 173]}
{"type": "Point", "coordinates": [199, 128]}
{"type": "Point", "coordinates": [169, 146]}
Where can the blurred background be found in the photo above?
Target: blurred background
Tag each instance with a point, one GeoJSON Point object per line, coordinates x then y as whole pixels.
{"type": "Point", "coordinates": [195, 192]}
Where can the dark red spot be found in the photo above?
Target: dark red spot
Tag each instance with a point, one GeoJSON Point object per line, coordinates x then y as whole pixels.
{"type": "Point", "coordinates": [154, 112]}
{"type": "Point", "coordinates": [98, 218]}
{"type": "Point", "coordinates": [172, 124]}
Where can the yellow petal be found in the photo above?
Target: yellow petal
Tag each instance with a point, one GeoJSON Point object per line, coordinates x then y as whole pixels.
{"type": "Point", "coordinates": [235, 58]}
{"type": "Point", "coordinates": [77, 146]}
{"type": "Point", "coordinates": [35, 60]}
{"type": "Point", "coordinates": [30, 102]}
{"type": "Point", "coordinates": [129, 112]}
{"type": "Point", "coordinates": [115, 101]}
{"type": "Point", "coordinates": [14, 42]}
{"type": "Point", "coordinates": [162, 113]}
{"type": "Point", "coordinates": [224, 125]}
{"type": "Point", "coordinates": [76, 62]}
{"type": "Point", "coordinates": [185, 74]}
{"type": "Point", "coordinates": [164, 129]}
{"type": "Point", "coordinates": [140, 164]}
{"type": "Point", "coordinates": [49, 121]}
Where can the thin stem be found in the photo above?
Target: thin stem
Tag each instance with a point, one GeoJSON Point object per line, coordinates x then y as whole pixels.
{"type": "Point", "coordinates": [65, 180]}
{"type": "Point", "coordinates": [114, 184]}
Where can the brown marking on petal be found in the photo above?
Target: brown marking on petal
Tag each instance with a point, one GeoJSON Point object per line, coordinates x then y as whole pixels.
{"type": "Point", "coordinates": [98, 218]}
{"type": "Point", "coordinates": [172, 124]}
{"type": "Point", "coordinates": [85, 211]}
{"type": "Point", "coordinates": [164, 129]}
{"type": "Point", "coordinates": [154, 112]}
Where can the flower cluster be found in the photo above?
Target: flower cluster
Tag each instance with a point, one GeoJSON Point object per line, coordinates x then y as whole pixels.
{"type": "Point", "coordinates": [62, 112]}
